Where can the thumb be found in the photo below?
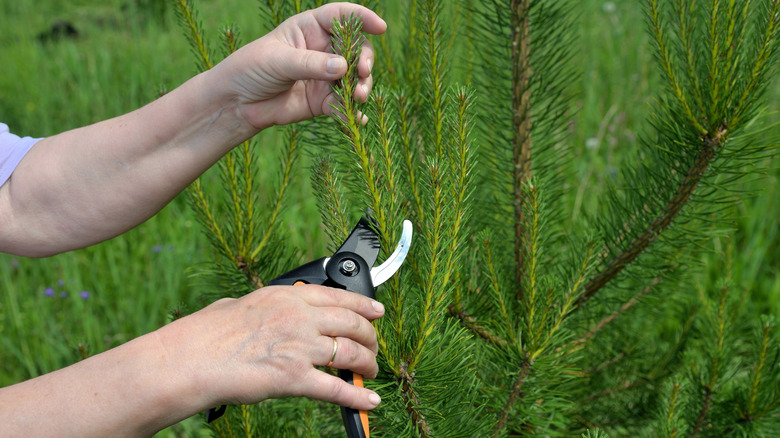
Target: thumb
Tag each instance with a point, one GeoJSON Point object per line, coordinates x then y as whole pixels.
{"type": "Point", "coordinates": [312, 64]}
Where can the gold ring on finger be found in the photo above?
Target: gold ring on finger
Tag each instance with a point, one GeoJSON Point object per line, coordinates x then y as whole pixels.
{"type": "Point", "coordinates": [335, 350]}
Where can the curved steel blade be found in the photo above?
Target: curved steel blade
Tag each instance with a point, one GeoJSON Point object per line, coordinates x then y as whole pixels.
{"type": "Point", "coordinates": [383, 272]}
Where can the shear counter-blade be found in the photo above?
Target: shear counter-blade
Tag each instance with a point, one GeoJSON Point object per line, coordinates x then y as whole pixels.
{"type": "Point", "coordinates": [383, 272]}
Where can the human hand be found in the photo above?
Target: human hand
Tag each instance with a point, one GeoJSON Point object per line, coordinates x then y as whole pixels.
{"type": "Point", "coordinates": [267, 344]}
{"type": "Point", "coordinates": [285, 76]}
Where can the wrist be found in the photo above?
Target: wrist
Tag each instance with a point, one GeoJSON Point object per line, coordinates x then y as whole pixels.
{"type": "Point", "coordinates": [183, 365]}
{"type": "Point", "coordinates": [213, 110]}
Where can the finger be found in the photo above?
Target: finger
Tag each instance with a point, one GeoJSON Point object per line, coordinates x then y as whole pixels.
{"type": "Point", "coordinates": [329, 388]}
{"type": "Point", "coordinates": [301, 64]}
{"type": "Point", "coordinates": [363, 89]}
{"type": "Point", "coordinates": [322, 296]}
{"type": "Point", "coordinates": [329, 105]}
{"type": "Point", "coordinates": [372, 23]}
{"type": "Point", "coordinates": [349, 356]}
{"type": "Point", "coordinates": [366, 61]}
{"type": "Point", "coordinates": [337, 321]}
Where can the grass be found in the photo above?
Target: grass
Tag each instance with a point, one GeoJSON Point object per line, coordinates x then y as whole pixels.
{"type": "Point", "coordinates": [124, 55]}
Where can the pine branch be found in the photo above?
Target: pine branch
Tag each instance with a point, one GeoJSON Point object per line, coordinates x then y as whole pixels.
{"type": "Point", "coordinates": [629, 384]}
{"type": "Point", "coordinates": [236, 206]}
{"type": "Point", "coordinates": [506, 311]}
{"type": "Point", "coordinates": [412, 404]}
{"type": "Point", "coordinates": [411, 153]}
{"type": "Point", "coordinates": [713, 123]}
{"type": "Point", "coordinates": [669, 425]}
{"type": "Point", "coordinates": [534, 314]}
{"type": "Point", "coordinates": [684, 13]}
{"type": "Point", "coordinates": [668, 213]}
{"type": "Point", "coordinates": [387, 179]}
{"type": "Point", "coordinates": [470, 323]}
{"type": "Point", "coordinates": [246, 421]}
{"type": "Point", "coordinates": [288, 164]}
{"type": "Point", "coordinates": [702, 412]}
{"type": "Point", "coordinates": [461, 164]}
{"type": "Point", "coordinates": [758, 373]}
{"type": "Point", "coordinates": [432, 288]}
{"type": "Point", "coordinates": [616, 314]}
{"type": "Point", "coordinates": [445, 187]}
{"type": "Point", "coordinates": [230, 40]}
{"type": "Point", "coordinates": [763, 60]}
{"type": "Point", "coordinates": [431, 42]}
{"type": "Point", "coordinates": [515, 394]}
{"type": "Point", "coordinates": [521, 132]}
{"type": "Point", "coordinates": [720, 319]}
{"type": "Point", "coordinates": [329, 190]}
{"type": "Point", "coordinates": [275, 12]}
{"type": "Point", "coordinates": [347, 41]}
{"type": "Point", "coordinates": [189, 21]}
{"type": "Point", "coordinates": [206, 216]}
{"type": "Point", "coordinates": [668, 67]}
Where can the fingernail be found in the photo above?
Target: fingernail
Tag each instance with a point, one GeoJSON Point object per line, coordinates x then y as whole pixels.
{"type": "Point", "coordinates": [370, 64]}
{"type": "Point", "coordinates": [335, 64]}
{"type": "Point", "coordinates": [375, 398]}
{"type": "Point", "coordinates": [379, 307]}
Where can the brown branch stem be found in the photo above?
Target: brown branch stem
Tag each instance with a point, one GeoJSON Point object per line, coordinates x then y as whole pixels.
{"type": "Point", "coordinates": [623, 387]}
{"type": "Point", "coordinates": [471, 323]}
{"type": "Point", "coordinates": [705, 407]}
{"type": "Point", "coordinates": [616, 313]}
{"type": "Point", "coordinates": [521, 123]}
{"type": "Point", "coordinates": [411, 402]}
{"type": "Point", "coordinates": [670, 211]}
{"type": "Point", "coordinates": [514, 395]}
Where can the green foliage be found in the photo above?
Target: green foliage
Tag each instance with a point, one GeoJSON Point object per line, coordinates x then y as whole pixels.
{"type": "Point", "coordinates": [643, 345]}
{"type": "Point", "coordinates": [512, 321]}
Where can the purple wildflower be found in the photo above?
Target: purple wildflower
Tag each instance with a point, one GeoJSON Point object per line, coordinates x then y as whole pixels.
{"type": "Point", "coordinates": [84, 295]}
{"type": "Point", "coordinates": [156, 248]}
{"type": "Point", "coordinates": [63, 294]}
{"type": "Point", "coordinates": [49, 292]}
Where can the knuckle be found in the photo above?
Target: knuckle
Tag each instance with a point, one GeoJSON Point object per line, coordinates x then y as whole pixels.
{"type": "Point", "coordinates": [223, 302]}
{"type": "Point", "coordinates": [354, 353]}
{"type": "Point", "coordinates": [337, 391]}
{"type": "Point", "coordinates": [331, 293]}
{"type": "Point", "coordinates": [355, 323]}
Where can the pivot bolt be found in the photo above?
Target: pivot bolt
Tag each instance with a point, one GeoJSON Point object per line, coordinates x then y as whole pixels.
{"type": "Point", "coordinates": [348, 267]}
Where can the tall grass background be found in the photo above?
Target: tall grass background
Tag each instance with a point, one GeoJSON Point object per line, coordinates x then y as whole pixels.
{"type": "Point", "coordinates": [57, 310]}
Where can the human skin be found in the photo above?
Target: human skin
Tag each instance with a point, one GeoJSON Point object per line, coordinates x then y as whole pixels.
{"type": "Point", "coordinates": [263, 345]}
{"type": "Point", "coordinates": [92, 183]}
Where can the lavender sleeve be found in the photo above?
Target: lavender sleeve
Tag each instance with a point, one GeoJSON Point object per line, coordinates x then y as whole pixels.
{"type": "Point", "coordinates": [12, 150]}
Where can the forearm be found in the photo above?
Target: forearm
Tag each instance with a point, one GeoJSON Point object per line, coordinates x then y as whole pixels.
{"type": "Point", "coordinates": [133, 390]}
{"type": "Point", "coordinates": [93, 183]}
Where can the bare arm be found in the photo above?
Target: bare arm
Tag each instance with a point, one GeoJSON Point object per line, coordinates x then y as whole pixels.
{"type": "Point", "coordinates": [263, 345]}
{"type": "Point", "coordinates": [90, 184]}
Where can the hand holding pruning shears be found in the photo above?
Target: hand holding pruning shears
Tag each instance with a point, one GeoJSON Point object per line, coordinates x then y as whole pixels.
{"type": "Point", "coordinates": [89, 184]}
{"type": "Point", "coordinates": [350, 268]}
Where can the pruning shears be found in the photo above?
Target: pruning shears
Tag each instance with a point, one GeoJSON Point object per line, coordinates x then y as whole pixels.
{"type": "Point", "coordinates": [352, 268]}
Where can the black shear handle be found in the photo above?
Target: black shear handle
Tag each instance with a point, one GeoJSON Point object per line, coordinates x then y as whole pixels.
{"type": "Point", "coordinates": [355, 421]}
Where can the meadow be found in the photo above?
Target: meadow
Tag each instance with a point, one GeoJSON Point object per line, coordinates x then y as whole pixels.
{"type": "Point", "coordinates": [57, 310]}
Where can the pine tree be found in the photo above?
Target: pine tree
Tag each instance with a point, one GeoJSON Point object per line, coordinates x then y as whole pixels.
{"type": "Point", "coordinates": [509, 318]}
